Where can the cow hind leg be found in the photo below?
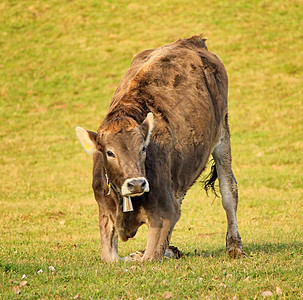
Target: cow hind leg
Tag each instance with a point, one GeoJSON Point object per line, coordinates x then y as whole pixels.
{"type": "Point", "coordinates": [229, 192]}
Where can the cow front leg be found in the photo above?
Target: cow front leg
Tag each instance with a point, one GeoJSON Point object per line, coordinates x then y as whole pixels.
{"type": "Point", "coordinates": [109, 239]}
{"type": "Point", "coordinates": [159, 234]}
{"type": "Point", "coordinates": [229, 192]}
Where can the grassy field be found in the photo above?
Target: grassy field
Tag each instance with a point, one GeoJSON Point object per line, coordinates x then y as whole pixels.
{"type": "Point", "coordinates": [60, 62]}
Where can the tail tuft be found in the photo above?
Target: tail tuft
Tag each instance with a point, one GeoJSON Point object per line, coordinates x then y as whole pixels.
{"type": "Point", "coordinates": [210, 179]}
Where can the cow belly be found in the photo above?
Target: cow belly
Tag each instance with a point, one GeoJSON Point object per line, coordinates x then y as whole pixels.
{"type": "Point", "coordinates": [186, 172]}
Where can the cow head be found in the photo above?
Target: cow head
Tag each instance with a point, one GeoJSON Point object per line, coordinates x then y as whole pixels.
{"type": "Point", "coordinates": [123, 144]}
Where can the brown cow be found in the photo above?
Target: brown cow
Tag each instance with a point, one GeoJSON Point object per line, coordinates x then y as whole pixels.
{"type": "Point", "coordinates": [167, 116]}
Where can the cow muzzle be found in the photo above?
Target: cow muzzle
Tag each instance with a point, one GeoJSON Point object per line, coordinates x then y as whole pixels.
{"type": "Point", "coordinates": [134, 187]}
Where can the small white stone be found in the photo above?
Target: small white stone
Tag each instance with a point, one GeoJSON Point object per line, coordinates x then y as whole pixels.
{"type": "Point", "coordinates": [51, 268]}
{"type": "Point", "coordinates": [267, 294]}
{"type": "Point", "coordinates": [40, 271]}
{"type": "Point", "coordinates": [278, 291]}
{"type": "Point", "coordinates": [23, 283]}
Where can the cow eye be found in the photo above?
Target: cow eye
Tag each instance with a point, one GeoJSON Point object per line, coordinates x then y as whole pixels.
{"type": "Point", "coordinates": [143, 149]}
{"type": "Point", "coordinates": [110, 154]}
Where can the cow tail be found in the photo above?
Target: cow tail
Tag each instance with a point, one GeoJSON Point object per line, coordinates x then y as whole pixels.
{"type": "Point", "coordinates": [209, 180]}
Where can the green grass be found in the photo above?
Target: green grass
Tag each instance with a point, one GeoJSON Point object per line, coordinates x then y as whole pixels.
{"type": "Point", "coordinates": [60, 62]}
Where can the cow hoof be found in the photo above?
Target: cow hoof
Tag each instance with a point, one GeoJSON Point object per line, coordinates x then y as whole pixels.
{"type": "Point", "coordinates": [236, 252]}
{"type": "Point", "coordinates": [176, 253]}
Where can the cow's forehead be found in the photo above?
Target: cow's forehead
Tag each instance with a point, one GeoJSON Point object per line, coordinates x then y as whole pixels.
{"type": "Point", "coordinates": [124, 139]}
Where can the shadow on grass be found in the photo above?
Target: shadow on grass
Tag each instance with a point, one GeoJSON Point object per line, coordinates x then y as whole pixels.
{"type": "Point", "coordinates": [253, 249]}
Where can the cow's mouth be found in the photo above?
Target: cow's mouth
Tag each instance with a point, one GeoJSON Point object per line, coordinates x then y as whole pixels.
{"type": "Point", "coordinates": [134, 187]}
{"type": "Point", "coordinates": [134, 195]}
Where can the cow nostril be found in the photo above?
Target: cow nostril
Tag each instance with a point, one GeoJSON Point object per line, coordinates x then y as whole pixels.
{"type": "Point", "coordinates": [130, 184]}
{"type": "Point", "coordinates": [143, 185]}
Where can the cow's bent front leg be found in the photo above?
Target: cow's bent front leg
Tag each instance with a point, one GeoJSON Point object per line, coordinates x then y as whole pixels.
{"type": "Point", "coordinates": [109, 239]}
{"type": "Point", "coordinates": [159, 233]}
{"type": "Point", "coordinates": [229, 192]}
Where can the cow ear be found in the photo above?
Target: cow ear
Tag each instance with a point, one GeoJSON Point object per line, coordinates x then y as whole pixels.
{"type": "Point", "coordinates": [87, 139]}
{"type": "Point", "coordinates": [147, 127]}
